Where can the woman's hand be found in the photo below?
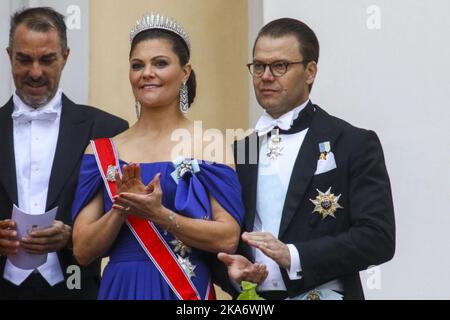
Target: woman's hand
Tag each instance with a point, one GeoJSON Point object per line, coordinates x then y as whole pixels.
{"type": "Point", "coordinates": [142, 201]}
{"type": "Point", "coordinates": [131, 180]}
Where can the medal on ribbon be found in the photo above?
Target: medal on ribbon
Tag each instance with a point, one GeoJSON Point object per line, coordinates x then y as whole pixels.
{"type": "Point", "coordinates": [274, 148]}
{"type": "Point", "coordinates": [325, 149]}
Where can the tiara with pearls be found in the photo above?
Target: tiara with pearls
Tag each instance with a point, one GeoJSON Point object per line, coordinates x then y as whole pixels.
{"type": "Point", "coordinates": [156, 21]}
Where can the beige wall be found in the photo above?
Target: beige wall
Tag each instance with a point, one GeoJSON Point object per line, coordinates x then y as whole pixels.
{"type": "Point", "coordinates": [218, 31]}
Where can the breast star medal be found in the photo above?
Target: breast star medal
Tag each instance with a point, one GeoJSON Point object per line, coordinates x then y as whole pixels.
{"type": "Point", "coordinates": [180, 248]}
{"type": "Point", "coordinates": [187, 266]}
{"type": "Point", "coordinates": [326, 203]}
{"type": "Point", "coordinates": [274, 149]}
{"type": "Point", "coordinates": [183, 252]}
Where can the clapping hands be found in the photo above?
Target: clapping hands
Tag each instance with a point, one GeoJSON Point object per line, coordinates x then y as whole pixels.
{"type": "Point", "coordinates": [134, 197]}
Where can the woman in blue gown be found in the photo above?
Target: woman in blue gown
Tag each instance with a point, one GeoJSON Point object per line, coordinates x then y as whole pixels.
{"type": "Point", "coordinates": [165, 209]}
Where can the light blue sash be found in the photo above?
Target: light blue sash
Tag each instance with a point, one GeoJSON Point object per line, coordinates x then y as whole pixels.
{"type": "Point", "coordinates": [270, 198]}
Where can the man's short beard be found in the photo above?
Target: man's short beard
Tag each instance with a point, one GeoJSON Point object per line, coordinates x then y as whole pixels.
{"type": "Point", "coordinates": [35, 104]}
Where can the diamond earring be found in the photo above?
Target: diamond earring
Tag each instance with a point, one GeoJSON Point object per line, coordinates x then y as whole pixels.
{"type": "Point", "coordinates": [184, 99]}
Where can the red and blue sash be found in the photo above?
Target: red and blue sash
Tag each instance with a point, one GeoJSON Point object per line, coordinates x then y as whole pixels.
{"type": "Point", "coordinates": [145, 232]}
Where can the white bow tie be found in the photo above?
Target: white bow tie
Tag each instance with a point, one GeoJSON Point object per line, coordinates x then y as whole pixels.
{"type": "Point", "coordinates": [266, 123]}
{"type": "Point", "coordinates": [27, 115]}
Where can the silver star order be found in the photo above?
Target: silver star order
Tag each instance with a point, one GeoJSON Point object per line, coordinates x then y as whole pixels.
{"type": "Point", "coordinates": [274, 148]}
{"type": "Point", "coordinates": [187, 266]}
{"type": "Point", "coordinates": [274, 152]}
{"type": "Point", "coordinates": [180, 247]}
{"type": "Point", "coordinates": [326, 203]}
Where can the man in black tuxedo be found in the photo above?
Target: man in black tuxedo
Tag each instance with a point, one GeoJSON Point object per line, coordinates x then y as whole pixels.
{"type": "Point", "coordinates": [43, 137]}
{"type": "Point", "coordinates": [316, 191]}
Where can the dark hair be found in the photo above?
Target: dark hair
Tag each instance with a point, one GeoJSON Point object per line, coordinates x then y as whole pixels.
{"type": "Point", "coordinates": [179, 47]}
{"type": "Point", "coordinates": [40, 19]}
{"type": "Point", "coordinates": [309, 44]}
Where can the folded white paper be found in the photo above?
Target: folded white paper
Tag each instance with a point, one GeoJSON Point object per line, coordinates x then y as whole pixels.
{"type": "Point", "coordinates": [26, 223]}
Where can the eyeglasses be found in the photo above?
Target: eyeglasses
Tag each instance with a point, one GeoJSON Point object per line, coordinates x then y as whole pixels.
{"type": "Point", "coordinates": [277, 68]}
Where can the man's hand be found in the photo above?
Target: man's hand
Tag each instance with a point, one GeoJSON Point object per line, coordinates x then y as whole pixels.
{"type": "Point", "coordinates": [241, 269]}
{"type": "Point", "coordinates": [47, 240]}
{"type": "Point", "coordinates": [8, 238]}
{"type": "Point", "coordinates": [270, 246]}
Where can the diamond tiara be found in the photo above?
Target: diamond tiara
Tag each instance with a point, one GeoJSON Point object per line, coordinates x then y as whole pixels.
{"type": "Point", "coordinates": [156, 21]}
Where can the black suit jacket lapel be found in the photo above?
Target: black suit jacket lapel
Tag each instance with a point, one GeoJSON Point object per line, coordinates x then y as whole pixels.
{"type": "Point", "coordinates": [247, 158]}
{"type": "Point", "coordinates": [74, 130]}
{"type": "Point", "coordinates": [247, 150]}
{"type": "Point", "coordinates": [306, 165]}
{"type": "Point", "coordinates": [252, 176]}
{"type": "Point", "coordinates": [7, 164]}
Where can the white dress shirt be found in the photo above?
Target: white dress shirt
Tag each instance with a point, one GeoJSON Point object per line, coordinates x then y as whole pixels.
{"type": "Point", "coordinates": [35, 139]}
{"type": "Point", "coordinates": [281, 168]}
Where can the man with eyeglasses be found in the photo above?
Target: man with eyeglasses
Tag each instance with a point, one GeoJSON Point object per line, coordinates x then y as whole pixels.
{"type": "Point", "coordinates": [317, 193]}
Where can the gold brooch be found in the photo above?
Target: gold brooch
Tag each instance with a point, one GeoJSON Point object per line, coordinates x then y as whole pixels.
{"type": "Point", "coordinates": [326, 203]}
